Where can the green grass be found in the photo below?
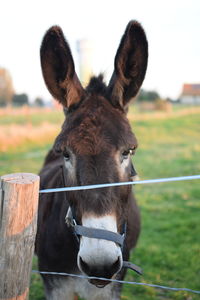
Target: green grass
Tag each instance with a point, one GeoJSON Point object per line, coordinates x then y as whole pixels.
{"type": "Point", "coordinates": [169, 244]}
{"type": "Point", "coordinates": [27, 159]}
{"type": "Point", "coordinates": [168, 249]}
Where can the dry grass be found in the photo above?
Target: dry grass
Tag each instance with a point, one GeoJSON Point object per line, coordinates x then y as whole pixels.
{"type": "Point", "coordinates": [24, 110]}
{"type": "Point", "coordinates": [14, 135]}
{"type": "Point", "coordinates": [163, 115]}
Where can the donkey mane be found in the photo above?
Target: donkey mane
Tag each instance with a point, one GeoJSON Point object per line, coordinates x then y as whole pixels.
{"type": "Point", "coordinates": [97, 86]}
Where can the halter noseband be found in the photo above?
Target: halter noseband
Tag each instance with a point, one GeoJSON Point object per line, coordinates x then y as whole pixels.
{"type": "Point", "coordinates": [95, 233]}
{"type": "Point", "coordinates": [79, 230]}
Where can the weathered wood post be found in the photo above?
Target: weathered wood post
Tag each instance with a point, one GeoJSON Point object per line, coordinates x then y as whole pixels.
{"type": "Point", "coordinates": [18, 224]}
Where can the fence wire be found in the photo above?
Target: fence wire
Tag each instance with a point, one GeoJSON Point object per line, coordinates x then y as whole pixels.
{"type": "Point", "coordinates": [119, 281]}
{"type": "Point", "coordinates": [99, 186]}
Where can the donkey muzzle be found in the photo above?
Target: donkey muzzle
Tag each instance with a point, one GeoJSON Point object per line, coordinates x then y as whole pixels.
{"type": "Point", "coordinates": [100, 250]}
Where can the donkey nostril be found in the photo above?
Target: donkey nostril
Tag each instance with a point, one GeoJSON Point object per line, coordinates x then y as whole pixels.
{"type": "Point", "coordinates": [116, 266]}
{"type": "Point", "coordinates": [105, 270]}
{"type": "Point", "coordinates": [84, 266]}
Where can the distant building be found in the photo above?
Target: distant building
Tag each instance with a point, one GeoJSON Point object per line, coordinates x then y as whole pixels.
{"type": "Point", "coordinates": [190, 94]}
{"type": "Point", "coordinates": [85, 52]}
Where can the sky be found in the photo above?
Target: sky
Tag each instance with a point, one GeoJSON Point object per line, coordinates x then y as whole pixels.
{"type": "Point", "coordinates": [172, 28]}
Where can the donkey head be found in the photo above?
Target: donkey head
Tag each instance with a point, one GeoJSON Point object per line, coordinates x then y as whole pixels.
{"type": "Point", "coordinates": [96, 139]}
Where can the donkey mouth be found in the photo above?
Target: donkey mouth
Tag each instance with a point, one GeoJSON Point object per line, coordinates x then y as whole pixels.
{"type": "Point", "coordinates": [99, 283]}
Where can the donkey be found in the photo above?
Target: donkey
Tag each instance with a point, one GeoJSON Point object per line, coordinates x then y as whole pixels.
{"type": "Point", "coordinates": [94, 147]}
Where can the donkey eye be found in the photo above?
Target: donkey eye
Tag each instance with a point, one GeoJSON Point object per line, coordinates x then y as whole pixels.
{"type": "Point", "coordinates": [128, 152]}
{"type": "Point", "coordinates": [125, 154]}
{"type": "Point", "coordinates": [66, 155]}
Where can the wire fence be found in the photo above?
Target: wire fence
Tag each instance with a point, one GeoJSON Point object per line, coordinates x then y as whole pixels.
{"type": "Point", "coordinates": [105, 185]}
{"type": "Point", "coordinates": [119, 281]}
{"type": "Point", "coordinates": [98, 186]}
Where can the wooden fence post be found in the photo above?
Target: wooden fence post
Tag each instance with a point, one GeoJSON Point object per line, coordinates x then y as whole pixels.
{"type": "Point", "coordinates": [18, 224]}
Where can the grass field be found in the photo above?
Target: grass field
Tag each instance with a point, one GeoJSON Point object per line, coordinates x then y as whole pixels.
{"type": "Point", "coordinates": [169, 245]}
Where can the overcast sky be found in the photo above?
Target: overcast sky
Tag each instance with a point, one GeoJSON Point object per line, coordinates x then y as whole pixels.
{"type": "Point", "coordinates": [172, 28]}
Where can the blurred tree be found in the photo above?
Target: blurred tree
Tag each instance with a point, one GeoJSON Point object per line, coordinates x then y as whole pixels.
{"type": "Point", "coordinates": [20, 100]}
{"type": "Point", "coordinates": [6, 87]}
{"type": "Point", "coordinates": [145, 95]}
{"type": "Point", "coordinates": [39, 102]}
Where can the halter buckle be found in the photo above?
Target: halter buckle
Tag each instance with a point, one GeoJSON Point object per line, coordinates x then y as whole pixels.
{"type": "Point", "coordinates": [69, 219]}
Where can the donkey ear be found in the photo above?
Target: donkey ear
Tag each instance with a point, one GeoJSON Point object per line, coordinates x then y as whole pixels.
{"type": "Point", "coordinates": [58, 68]}
{"type": "Point", "coordinates": [130, 65]}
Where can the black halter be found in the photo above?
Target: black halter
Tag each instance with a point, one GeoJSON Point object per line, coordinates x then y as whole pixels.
{"type": "Point", "coordinates": [95, 233]}
{"type": "Point", "coordinates": [79, 230]}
